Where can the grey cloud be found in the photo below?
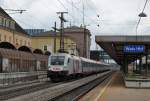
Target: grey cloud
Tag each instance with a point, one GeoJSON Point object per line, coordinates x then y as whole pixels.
{"type": "Point", "coordinates": [116, 16]}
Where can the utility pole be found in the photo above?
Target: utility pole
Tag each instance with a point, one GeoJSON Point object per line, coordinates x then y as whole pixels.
{"type": "Point", "coordinates": [62, 29]}
{"type": "Point", "coordinates": [83, 12]}
{"type": "Point", "coordinates": [55, 31]}
{"type": "Point", "coordinates": [84, 29]}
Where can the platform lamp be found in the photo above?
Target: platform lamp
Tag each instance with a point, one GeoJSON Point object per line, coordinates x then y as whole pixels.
{"type": "Point", "coordinates": [142, 14]}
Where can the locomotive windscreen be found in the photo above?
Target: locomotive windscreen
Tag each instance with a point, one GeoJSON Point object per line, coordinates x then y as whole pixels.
{"type": "Point", "coordinates": [57, 60]}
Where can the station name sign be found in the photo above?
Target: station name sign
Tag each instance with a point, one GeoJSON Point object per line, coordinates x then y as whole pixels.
{"type": "Point", "coordinates": [134, 48]}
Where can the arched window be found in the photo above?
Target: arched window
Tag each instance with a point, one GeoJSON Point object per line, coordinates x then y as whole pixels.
{"type": "Point", "coordinates": [25, 49]}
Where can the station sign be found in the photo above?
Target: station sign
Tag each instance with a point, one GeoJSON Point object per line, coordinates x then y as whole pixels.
{"type": "Point", "coordinates": [134, 48]}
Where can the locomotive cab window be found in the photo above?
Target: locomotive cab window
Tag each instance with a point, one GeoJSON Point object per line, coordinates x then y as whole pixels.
{"type": "Point", "coordinates": [68, 60]}
{"type": "Point", "coordinates": [57, 60]}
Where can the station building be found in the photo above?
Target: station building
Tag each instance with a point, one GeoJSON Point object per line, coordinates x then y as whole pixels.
{"type": "Point", "coordinates": [11, 32]}
{"type": "Point", "coordinates": [82, 37]}
{"type": "Point", "coordinates": [77, 41]}
{"type": "Point", "coordinates": [49, 41]}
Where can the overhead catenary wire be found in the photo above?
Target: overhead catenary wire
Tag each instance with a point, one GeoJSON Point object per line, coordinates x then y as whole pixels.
{"type": "Point", "coordinates": [35, 19]}
{"type": "Point", "coordinates": [75, 2]}
{"type": "Point", "coordinates": [90, 3]}
{"type": "Point", "coordinates": [67, 10]}
{"type": "Point", "coordinates": [81, 12]}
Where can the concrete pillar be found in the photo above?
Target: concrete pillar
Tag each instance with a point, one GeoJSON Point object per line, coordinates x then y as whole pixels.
{"type": "Point", "coordinates": [146, 62]}
{"type": "Point", "coordinates": [1, 67]}
{"type": "Point", "coordinates": [146, 51]}
{"type": "Point", "coordinates": [136, 65]}
{"type": "Point", "coordinates": [125, 64]}
{"type": "Point", "coordinates": [133, 66]}
{"type": "Point", "coordinates": [140, 65]}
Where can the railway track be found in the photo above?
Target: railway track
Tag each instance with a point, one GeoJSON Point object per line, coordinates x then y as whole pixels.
{"type": "Point", "coordinates": [17, 90]}
{"type": "Point", "coordinates": [77, 93]}
{"type": "Point", "coordinates": [9, 93]}
{"type": "Point", "coordinates": [63, 90]}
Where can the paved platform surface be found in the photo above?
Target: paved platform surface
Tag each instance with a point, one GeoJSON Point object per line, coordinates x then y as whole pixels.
{"type": "Point", "coordinates": [114, 90]}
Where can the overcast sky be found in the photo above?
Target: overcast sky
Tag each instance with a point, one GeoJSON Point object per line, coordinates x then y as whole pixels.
{"type": "Point", "coordinates": [115, 16]}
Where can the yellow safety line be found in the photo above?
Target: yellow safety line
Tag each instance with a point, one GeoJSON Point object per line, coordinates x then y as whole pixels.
{"type": "Point", "coordinates": [103, 90]}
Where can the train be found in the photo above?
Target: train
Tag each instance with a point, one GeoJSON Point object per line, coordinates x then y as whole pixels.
{"type": "Point", "coordinates": [63, 65]}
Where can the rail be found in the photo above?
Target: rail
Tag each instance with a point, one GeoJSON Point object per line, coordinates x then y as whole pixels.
{"type": "Point", "coordinates": [56, 91]}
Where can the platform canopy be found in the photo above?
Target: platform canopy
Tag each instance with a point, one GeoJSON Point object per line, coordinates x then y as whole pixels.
{"type": "Point", "coordinates": [116, 46]}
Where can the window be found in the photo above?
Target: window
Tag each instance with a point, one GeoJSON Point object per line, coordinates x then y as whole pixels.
{"type": "Point", "coordinates": [7, 23]}
{"type": "Point", "coordinates": [57, 60]}
{"type": "Point", "coordinates": [12, 25]}
{"type": "Point", "coordinates": [0, 37]}
{"type": "Point", "coordinates": [4, 22]}
{"type": "Point", "coordinates": [16, 40]}
{"type": "Point", "coordinates": [1, 21]}
{"type": "Point", "coordinates": [68, 60]}
{"type": "Point", "coordinates": [20, 42]}
{"type": "Point", "coordinates": [45, 47]}
{"type": "Point", "coordinates": [29, 43]}
{"type": "Point", "coordinates": [25, 42]}
{"type": "Point", "coordinates": [10, 39]}
{"type": "Point", "coordinates": [4, 37]}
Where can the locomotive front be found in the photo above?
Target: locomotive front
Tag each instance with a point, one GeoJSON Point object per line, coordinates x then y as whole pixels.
{"type": "Point", "coordinates": [57, 67]}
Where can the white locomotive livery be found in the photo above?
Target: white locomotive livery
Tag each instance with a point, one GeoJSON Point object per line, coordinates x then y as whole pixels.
{"type": "Point", "coordinates": [62, 65]}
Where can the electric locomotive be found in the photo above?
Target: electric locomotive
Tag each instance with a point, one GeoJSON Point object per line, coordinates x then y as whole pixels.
{"type": "Point", "coordinates": [63, 65]}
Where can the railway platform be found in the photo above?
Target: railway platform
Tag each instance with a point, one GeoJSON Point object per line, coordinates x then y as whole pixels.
{"type": "Point", "coordinates": [114, 89]}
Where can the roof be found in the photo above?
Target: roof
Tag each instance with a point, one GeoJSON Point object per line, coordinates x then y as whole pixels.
{"type": "Point", "coordinates": [46, 34]}
{"type": "Point", "coordinates": [73, 29]}
{"type": "Point", "coordinates": [123, 38]}
{"type": "Point", "coordinates": [18, 28]}
{"type": "Point", "coordinates": [4, 14]}
{"type": "Point", "coordinates": [76, 29]}
{"type": "Point", "coordinates": [114, 46]}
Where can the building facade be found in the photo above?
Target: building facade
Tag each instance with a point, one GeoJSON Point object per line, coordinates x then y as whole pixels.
{"type": "Point", "coordinates": [11, 32]}
{"type": "Point", "coordinates": [50, 41]}
{"type": "Point", "coordinates": [76, 40]}
{"type": "Point", "coordinates": [17, 58]}
{"type": "Point", "coordinates": [82, 37]}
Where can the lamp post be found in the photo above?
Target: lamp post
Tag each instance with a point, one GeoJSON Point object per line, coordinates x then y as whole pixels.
{"type": "Point", "coordinates": [142, 14]}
